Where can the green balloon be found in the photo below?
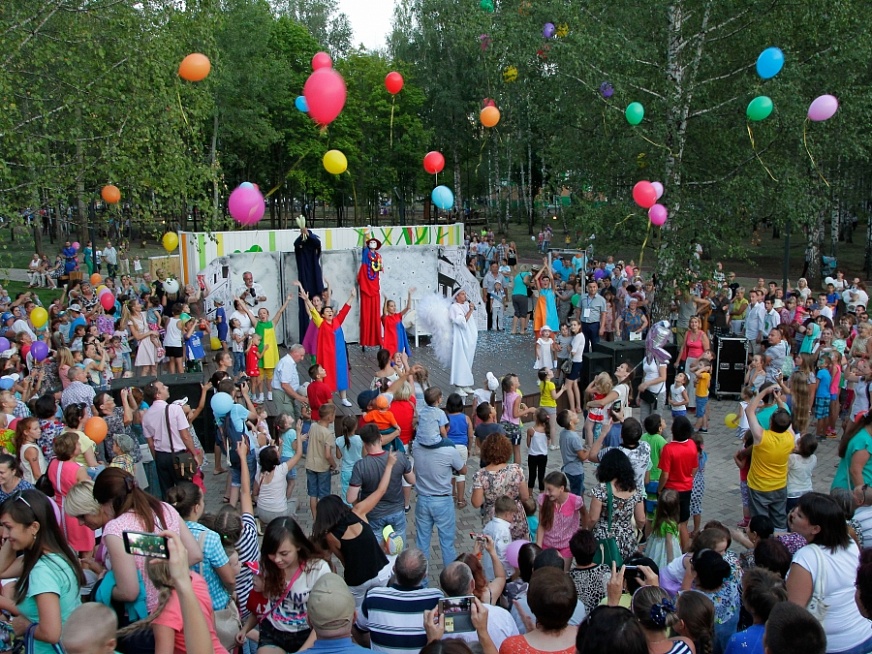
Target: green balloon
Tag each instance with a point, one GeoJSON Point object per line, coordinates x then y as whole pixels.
{"type": "Point", "coordinates": [237, 251]}
{"type": "Point", "coordinates": [487, 5]}
{"type": "Point", "coordinates": [255, 248]}
{"type": "Point", "coordinates": [759, 108]}
{"type": "Point", "coordinates": [635, 113]}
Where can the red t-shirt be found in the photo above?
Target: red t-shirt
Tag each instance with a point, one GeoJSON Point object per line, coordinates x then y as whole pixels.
{"type": "Point", "coordinates": [318, 393]}
{"type": "Point", "coordinates": [679, 460]}
{"type": "Point", "coordinates": [252, 356]}
{"type": "Point", "coordinates": [404, 412]}
{"type": "Point", "coordinates": [256, 604]}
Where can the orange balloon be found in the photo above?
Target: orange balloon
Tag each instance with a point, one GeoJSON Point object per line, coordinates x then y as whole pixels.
{"type": "Point", "coordinates": [195, 67]}
{"type": "Point", "coordinates": [96, 429]}
{"type": "Point", "coordinates": [96, 280]}
{"type": "Point", "coordinates": [489, 116]}
{"type": "Point", "coordinates": [110, 194]}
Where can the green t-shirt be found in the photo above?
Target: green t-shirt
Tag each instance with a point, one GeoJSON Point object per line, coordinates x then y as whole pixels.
{"type": "Point", "coordinates": [861, 441]}
{"type": "Point", "coordinates": [51, 574]}
{"type": "Point", "coordinates": [764, 416]}
{"type": "Point", "coordinates": [656, 443]}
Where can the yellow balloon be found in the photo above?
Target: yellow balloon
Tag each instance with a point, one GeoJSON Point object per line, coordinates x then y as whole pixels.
{"type": "Point", "coordinates": [216, 344]}
{"type": "Point", "coordinates": [99, 288]}
{"type": "Point", "coordinates": [510, 74]}
{"type": "Point", "coordinates": [39, 317]}
{"type": "Point", "coordinates": [731, 420]}
{"type": "Point", "coordinates": [170, 241]}
{"type": "Point", "coordinates": [335, 162]}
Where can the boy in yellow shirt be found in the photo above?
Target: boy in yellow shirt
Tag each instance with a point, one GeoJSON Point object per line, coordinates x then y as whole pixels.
{"type": "Point", "coordinates": [703, 371]}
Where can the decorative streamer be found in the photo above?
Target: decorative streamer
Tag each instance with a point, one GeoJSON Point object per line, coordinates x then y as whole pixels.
{"type": "Point", "coordinates": [181, 108]}
{"type": "Point", "coordinates": [625, 219]}
{"type": "Point", "coordinates": [756, 154]}
{"type": "Point", "coordinates": [808, 152]}
{"type": "Point", "coordinates": [393, 101]}
{"type": "Point", "coordinates": [644, 243]}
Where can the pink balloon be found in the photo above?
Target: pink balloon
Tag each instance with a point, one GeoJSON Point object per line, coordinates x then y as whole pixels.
{"type": "Point", "coordinates": [659, 188]}
{"type": "Point", "coordinates": [107, 301]}
{"type": "Point", "coordinates": [246, 205]}
{"type": "Point", "coordinates": [76, 245]}
{"type": "Point", "coordinates": [513, 550]}
{"type": "Point", "coordinates": [657, 215]}
{"type": "Point", "coordinates": [325, 94]}
{"type": "Point", "coordinates": [103, 292]}
{"type": "Point", "coordinates": [644, 194]}
{"type": "Point", "coordinates": [321, 60]}
{"type": "Point", "coordinates": [823, 108]}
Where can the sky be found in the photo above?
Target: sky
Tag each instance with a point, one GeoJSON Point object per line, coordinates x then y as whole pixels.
{"type": "Point", "coordinates": [370, 19]}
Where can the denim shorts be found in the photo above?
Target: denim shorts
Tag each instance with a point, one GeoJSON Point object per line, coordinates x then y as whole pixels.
{"type": "Point", "coordinates": [700, 406]}
{"type": "Point", "coordinates": [318, 483]}
{"type": "Point", "coordinates": [292, 473]}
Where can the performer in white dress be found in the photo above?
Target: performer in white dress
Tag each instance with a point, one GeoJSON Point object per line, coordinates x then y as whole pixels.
{"type": "Point", "coordinates": [464, 339]}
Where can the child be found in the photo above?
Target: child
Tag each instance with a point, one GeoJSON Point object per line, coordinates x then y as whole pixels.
{"type": "Point", "coordinates": [742, 459]}
{"type": "Point", "coordinates": [564, 342]}
{"type": "Point", "coordinates": [530, 511]}
{"type": "Point", "coordinates": [261, 428]}
{"type": "Point", "coordinates": [800, 467]}
{"type": "Point", "coordinates": [561, 514]}
{"type": "Point", "coordinates": [220, 321]}
{"type": "Point", "coordinates": [422, 383]}
{"type": "Point", "coordinates": [678, 395]}
{"type": "Point", "coordinates": [544, 349]}
{"type": "Point", "coordinates": [654, 426]}
{"type": "Point", "coordinates": [123, 337]}
{"type": "Point", "coordinates": [287, 437]}
{"type": "Point", "coordinates": [137, 265]}
{"type": "Point", "coordinates": [486, 393]}
{"type": "Point", "coordinates": [432, 421]}
{"type": "Point", "coordinates": [237, 346]}
{"type": "Point", "coordinates": [513, 412]}
{"type": "Point", "coordinates": [122, 447]}
{"type": "Point", "coordinates": [548, 397]}
{"type": "Point", "coordinates": [257, 604]}
{"type": "Point", "coordinates": [537, 449]}
{"type": "Point", "coordinates": [349, 450]}
{"type": "Point", "coordinates": [586, 575]}
{"type": "Point", "coordinates": [320, 462]}
{"type": "Point", "coordinates": [116, 359]}
{"type": "Point", "coordinates": [822, 396]}
{"type": "Point", "coordinates": [598, 389]}
{"type": "Point", "coordinates": [271, 486]}
{"type": "Point", "coordinates": [746, 396]}
{"type": "Point", "coordinates": [78, 337]}
{"type": "Point", "coordinates": [762, 591]}
{"type": "Point", "coordinates": [381, 416]}
{"type": "Point", "coordinates": [573, 452]}
{"type": "Point", "coordinates": [696, 617]}
{"type": "Point", "coordinates": [487, 416]}
{"type": "Point", "coordinates": [318, 391]}
{"type": "Point", "coordinates": [664, 545]}
{"type": "Point", "coordinates": [498, 305]}
{"type": "Point", "coordinates": [702, 370]}
{"type": "Point", "coordinates": [500, 530]}
{"type": "Point", "coordinates": [835, 383]}
{"type": "Point", "coordinates": [194, 350]}
{"type": "Point", "coordinates": [252, 356]}
{"type": "Point", "coordinates": [264, 327]}
{"type": "Point", "coordinates": [460, 434]}
{"type": "Point", "coordinates": [698, 490]}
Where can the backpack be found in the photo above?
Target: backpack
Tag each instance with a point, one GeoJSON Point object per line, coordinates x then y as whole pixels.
{"type": "Point", "coordinates": [232, 438]}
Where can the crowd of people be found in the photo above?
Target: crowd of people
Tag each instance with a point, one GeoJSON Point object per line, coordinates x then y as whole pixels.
{"type": "Point", "coordinates": [108, 544]}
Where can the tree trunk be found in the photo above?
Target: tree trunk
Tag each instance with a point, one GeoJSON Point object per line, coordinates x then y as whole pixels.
{"type": "Point", "coordinates": [867, 255]}
{"type": "Point", "coordinates": [80, 189]}
{"type": "Point", "coordinates": [213, 158]}
{"type": "Point", "coordinates": [458, 189]}
{"type": "Point", "coordinates": [813, 250]}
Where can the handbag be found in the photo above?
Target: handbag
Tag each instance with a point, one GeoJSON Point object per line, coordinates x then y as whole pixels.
{"type": "Point", "coordinates": [608, 547]}
{"type": "Point", "coordinates": [228, 622]}
{"type": "Point", "coordinates": [566, 366]}
{"type": "Point", "coordinates": [816, 605]}
{"type": "Point", "coordinates": [648, 398]}
{"type": "Point", "coordinates": [184, 463]}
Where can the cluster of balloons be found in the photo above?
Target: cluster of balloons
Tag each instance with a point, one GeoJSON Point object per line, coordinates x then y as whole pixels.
{"type": "Point", "coordinates": [769, 64]}
{"type": "Point", "coordinates": [170, 241]}
{"type": "Point", "coordinates": [646, 194]}
{"type": "Point", "coordinates": [324, 91]}
{"type": "Point", "coordinates": [110, 194]}
{"type": "Point", "coordinates": [195, 67]}
{"type": "Point", "coordinates": [246, 204]}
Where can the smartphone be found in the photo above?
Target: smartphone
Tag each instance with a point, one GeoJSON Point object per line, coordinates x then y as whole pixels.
{"type": "Point", "coordinates": [142, 544]}
{"type": "Point", "coordinates": [456, 614]}
{"type": "Point", "coordinates": [627, 568]}
{"type": "Point", "coordinates": [477, 537]}
{"type": "Point", "coordinates": [616, 406]}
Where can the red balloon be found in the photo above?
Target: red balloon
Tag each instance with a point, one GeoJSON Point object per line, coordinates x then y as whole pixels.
{"type": "Point", "coordinates": [434, 162]}
{"type": "Point", "coordinates": [394, 83]}
{"type": "Point", "coordinates": [321, 60]}
{"type": "Point", "coordinates": [107, 300]}
{"type": "Point", "coordinates": [645, 194]}
{"type": "Point", "coordinates": [487, 102]}
{"type": "Point", "coordinates": [325, 94]}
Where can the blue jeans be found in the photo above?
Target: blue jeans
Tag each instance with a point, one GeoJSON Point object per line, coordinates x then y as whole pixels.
{"type": "Point", "coordinates": [576, 484]}
{"type": "Point", "coordinates": [396, 520]}
{"type": "Point", "coordinates": [318, 483]}
{"type": "Point", "coordinates": [236, 471]}
{"type": "Point", "coordinates": [439, 511]}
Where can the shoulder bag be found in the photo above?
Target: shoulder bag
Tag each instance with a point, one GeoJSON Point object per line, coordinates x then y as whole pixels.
{"type": "Point", "coordinates": [184, 463]}
{"type": "Point", "coordinates": [816, 605]}
{"type": "Point", "coordinates": [608, 547]}
{"type": "Point", "coordinates": [228, 623]}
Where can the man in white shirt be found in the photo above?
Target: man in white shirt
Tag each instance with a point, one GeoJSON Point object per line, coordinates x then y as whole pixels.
{"type": "Point", "coordinates": [754, 320]}
{"type": "Point", "coordinates": [110, 255]}
{"type": "Point", "coordinates": [286, 381]}
{"type": "Point", "coordinates": [488, 282]}
{"type": "Point", "coordinates": [250, 292]}
{"type": "Point", "coordinates": [771, 320]}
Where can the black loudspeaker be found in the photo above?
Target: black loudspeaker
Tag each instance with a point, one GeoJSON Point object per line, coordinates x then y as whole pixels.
{"type": "Point", "coordinates": [593, 364]}
{"type": "Point", "coordinates": [631, 352]}
{"type": "Point", "coordinates": [731, 360]}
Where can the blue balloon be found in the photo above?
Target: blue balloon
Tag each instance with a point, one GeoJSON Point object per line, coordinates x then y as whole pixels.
{"type": "Point", "coordinates": [443, 197]}
{"type": "Point", "coordinates": [246, 185]}
{"type": "Point", "coordinates": [770, 62]}
{"type": "Point", "coordinates": [221, 404]}
{"type": "Point", "coordinates": [301, 104]}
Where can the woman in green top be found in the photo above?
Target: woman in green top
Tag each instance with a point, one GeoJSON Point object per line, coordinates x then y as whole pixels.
{"type": "Point", "coordinates": [48, 572]}
{"type": "Point", "coordinates": [855, 468]}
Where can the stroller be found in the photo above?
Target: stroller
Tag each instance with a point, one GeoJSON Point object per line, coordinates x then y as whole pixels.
{"type": "Point", "coordinates": [828, 266]}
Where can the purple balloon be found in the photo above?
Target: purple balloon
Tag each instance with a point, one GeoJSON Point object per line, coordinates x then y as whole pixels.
{"type": "Point", "coordinates": [246, 205]}
{"type": "Point", "coordinates": [823, 108]}
{"type": "Point", "coordinates": [657, 215]}
{"type": "Point", "coordinates": [549, 30]}
{"type": "Point", "coordinates": [659, 188]}
{"type": "Point", "coordinates": [39, 350]}
{"type": "Point", "coordinates": [607, 90]}
{"type": "Point", "coordinates": [4, 344]}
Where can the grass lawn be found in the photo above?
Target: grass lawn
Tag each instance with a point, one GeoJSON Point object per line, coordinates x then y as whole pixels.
{"type": "Point", "coordinates": [46, 295]}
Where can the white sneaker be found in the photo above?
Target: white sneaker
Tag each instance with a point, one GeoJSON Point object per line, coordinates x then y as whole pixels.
{"type": "Point", "coordinates": [460, 391]}
{"type": "Point", "coordinates": [269, 396]}
{"type": "Point", "coordinates": [346, 402]}
{"type": "Point", "coordinates": [468, 389]}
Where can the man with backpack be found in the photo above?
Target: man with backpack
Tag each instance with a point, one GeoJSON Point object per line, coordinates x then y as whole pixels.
{"type": "Point", "coordinates": [232, 429]}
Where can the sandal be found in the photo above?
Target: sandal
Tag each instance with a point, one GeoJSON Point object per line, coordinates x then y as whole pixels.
{"type": "Point", "coordinates": [216, 472]}
{"type": "Point", "coordinates": [225, 500]}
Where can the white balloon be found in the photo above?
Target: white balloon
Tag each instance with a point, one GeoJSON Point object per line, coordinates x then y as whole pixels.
{"type": "Point", "coordinates": [171, 286]}
{"type": "Point", "coordinates": [659, 188]}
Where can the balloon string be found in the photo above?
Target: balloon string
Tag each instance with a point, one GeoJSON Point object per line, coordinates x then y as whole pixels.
{"type": "Point", "coordinates": [393, 100]}
{"type": "Point", "coordinates": [481, 151]}
{"type": "Point", "coordinates": [656, 145]}
{"type": "Point", "coordinates": [181, 108]}
{"type": "Point", "coordinates": [354, 193]}
{"type": "Point", "coordinates": [756, 154]}
{"type": "Point", "coordinates": [644, 243]}
{"type": "Point", "coordinates": [290, 170]}
{"type": "Point", "coordinates": [625, 219]}
{"type": "Point", "coordinates": [805, 143]}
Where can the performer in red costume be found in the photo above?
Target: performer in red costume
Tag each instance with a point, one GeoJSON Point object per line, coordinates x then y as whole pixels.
{"type": "Point", "coordinates": [370, 293]}
{"type": "Point", "coordinates": [395, 338]}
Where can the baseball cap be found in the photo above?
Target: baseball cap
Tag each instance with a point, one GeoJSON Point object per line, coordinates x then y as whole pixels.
{"type": "Point", "coordinates": [393, 540]}
{"type": "Point", "coordinates": [6, 316]}
{"type": "Point", "coordinates": [381, 402]}
{"type": "Point", "coordinates": [365, 398]}
{"type": "Point", "coordinates": [75, 307]}
{"type": "Point", "coordinates": [331, 605]}
{"type": "Point", "coordinates": [254, 566]}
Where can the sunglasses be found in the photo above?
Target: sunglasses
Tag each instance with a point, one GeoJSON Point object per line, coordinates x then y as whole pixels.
{"type": "Point", "coordinates": [18, 495]}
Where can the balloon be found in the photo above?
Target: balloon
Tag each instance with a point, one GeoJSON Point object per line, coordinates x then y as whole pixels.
{"type": "Point", "coordinates": [607, 90]}
{"type": "Point", "coordinates": [107, 301]}
{"type": "Point", "coordinates": [321, 60]}
{"type": "Point", "coordinates": [394, 82]}
{"type": "Point", "coordinates": [562, 31]}
{"type": "Point", "coordinates": [221, 404]}
{"type": "Point", "coordinates": [644, 194]}
{"type": "Point", "coordinates": [548, 30]}
{"type": "Point", "coordinates": [195, 67]}
{"type": "Point", "coordinates": [659, 188]}
{"type": "Point", "coordinates": [635, 113]}
{"type": "Point", "coordinates": [657, 215]}
{"type": "Point", "coordinates": [246, 185]}
{"type": "Point", "coordinates": [101, 288]}
{"type": "Point", "coordinates": [255, 248]}
{"type": "Point", "coordinates": [443, 197]}
{"type": "Point", "coordinates": [96, 429]}
{"type": "Point", "coordinates": [731, 420]}
{"type": "Point", "coordinates": [246, 205]}
{"type": "Point", "coordinates": [76, 245]}
{"type": "Point", "coordinates": [434, 162]}
{"type": "Point", "coordinates": [823, 108]}
{"type": "Point", "coordinates": [300, 104]}
{"type": "Point", "coordinates": [770, 62]}
{"type": "Point", "coordinates": [39, 350]}
{"type": "Point", "coordinates": [170, 241]}
{"type": "Point", "coordinates": [38, 317]}
{"type": "Point", "coordinates": [489, 116]}
{"type": "Point", "coordinates": [510, 74]}
{"type": "Point", "coordinates": [759, 108]}
{"type": "Point", "coordinates": [171, 286]}
{"type": "Point", "coordinates": [215, 343]}
{"type": "Point", "coordinates": [487, 5]}
{"type": "Point", "coordinates": [4, 344]}
{"type": "Point", "coordinates": [96, 279]}
{"type": "Point", "coordinates": [484, 41]}
{"type": "Point", "coordinates": [513, 550]}
{"type": "Point", "coordinates": [110, 194]}
{"type": "Point", "coordinates": [102, 291]}
{"type": "Point", "coordinates": [335, 162]}
{"type": "Point", "coordinates": [487, 102]}
{"type": "Point", "coordinates": [325, 94]}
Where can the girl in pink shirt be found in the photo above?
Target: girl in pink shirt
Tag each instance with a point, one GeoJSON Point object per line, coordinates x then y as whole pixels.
{"type": "Point", "coordinates": [562, 514]}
